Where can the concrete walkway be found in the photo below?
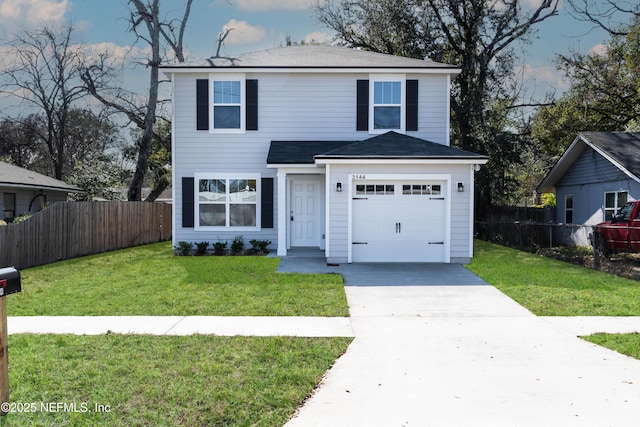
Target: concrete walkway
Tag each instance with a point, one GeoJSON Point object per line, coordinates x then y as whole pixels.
{"type": "Point", "coordinates": [446, 354]}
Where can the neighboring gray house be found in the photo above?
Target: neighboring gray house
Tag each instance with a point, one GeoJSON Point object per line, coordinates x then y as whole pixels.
{"type": "Point", "coordinates": [321, 147]}
{"type": "Point", "coordinates": [25, 191]}
{"type": "Point", "coordinates": [595, 176]}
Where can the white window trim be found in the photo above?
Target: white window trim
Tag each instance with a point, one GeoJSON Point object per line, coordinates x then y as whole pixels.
{"type": "Point", "coordinates": [243, 99]}
{"type": "Point", "coordinates": [616, 208]}
{"type": "Point", "coordinates": [402, 79]}
{"type": "Point", "coordinates": [227, 176]}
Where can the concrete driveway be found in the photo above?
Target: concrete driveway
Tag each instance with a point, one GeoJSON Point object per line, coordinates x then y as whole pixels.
{"type": "Point", "coordinates": [437, 346]}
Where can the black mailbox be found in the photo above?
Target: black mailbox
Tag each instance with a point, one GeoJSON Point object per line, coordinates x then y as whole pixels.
{"type": "Point", "coordinates": [9, 281]}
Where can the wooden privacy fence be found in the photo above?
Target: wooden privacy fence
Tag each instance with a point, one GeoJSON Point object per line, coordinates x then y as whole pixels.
{"type": "Point", "coordinates": [72, 229]}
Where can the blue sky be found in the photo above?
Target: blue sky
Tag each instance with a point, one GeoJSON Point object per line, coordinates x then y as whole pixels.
{"type": "Point", "coordinates": [262, 24]}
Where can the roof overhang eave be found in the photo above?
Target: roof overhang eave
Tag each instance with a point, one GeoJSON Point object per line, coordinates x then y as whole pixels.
{"type": "Point", "coordinates": [40, 187]}
{"type": "Point", "coordinates": [168, 71]}
{"type": "Point", "coordinates": [291, 165]}
{"type": "Point", "coordinates": [402, 160]}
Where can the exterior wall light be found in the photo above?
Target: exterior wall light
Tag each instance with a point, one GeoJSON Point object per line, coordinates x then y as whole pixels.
{"type": "Point", "coordinates": [338, 186]}
{"type": "Point", "coordinates": [460, 186]}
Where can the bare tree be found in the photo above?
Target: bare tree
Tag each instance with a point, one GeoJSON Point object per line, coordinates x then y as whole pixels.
{"type": "Point", "coordinates": [476, 35]}
{"type": "Point", "coordinates": [610, 15]}
{"type": "Point", "coordinates": [42, 70]}
{"type": "Point", "coordinates": [145, 22]}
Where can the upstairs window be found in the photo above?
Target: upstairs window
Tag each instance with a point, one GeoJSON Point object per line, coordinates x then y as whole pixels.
{"type": "Point", "coordinates": [227, 104]}
{"type": "Point", "coordinates": [387, 105]}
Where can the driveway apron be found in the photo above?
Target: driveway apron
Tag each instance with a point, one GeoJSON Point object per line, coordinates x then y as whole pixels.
{"type": "Point", "coordinates": [437, 346]}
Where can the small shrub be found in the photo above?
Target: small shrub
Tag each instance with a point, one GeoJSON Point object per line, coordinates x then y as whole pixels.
{"type": "Point", "coordinates": [184, 248]}
{"type": "Point", "coordinates": [237, 246]}
{"type": "Point", "coordinates": [260, 246]}
{"type": "Point", "coordinates": [219, 247]}
{"type": "Point", "coordinates": [22, 217]}
{"type": "Point", "coordinates": [201, 248]}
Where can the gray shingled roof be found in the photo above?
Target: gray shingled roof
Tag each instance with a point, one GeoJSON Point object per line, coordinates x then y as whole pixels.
{"type": "Point", "coordinates": [300, 152]}
{"type": "Point", "coordinates": [314, 56]}
{"type": "Point", "coordinates": [622, 149]}
{"type": "Point", "coordinates": [15, 176]}
{"type": "Point", "coordinates": [390, 145]}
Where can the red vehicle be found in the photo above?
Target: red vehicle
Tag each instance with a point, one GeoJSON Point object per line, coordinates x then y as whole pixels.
{"type": "Point", "coordinates": [621, 233]}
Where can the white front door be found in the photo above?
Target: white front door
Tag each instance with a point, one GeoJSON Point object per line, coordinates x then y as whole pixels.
{"type": "Point", "coordinates": [305, 212]}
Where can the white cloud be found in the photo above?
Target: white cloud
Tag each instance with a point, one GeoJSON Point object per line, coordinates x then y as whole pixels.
{"type": "Point", "coordinates": [599, 50]}
{"type": "Point", "coordinates": [539, 80]}
{"type": "Point", "coordinates": [318, 37]}
{"type": "Point", "coordinates": [254, 5]}
{"type": "Point", "coordinates": [32, 12]}
{"type": "Point", "coordinates": [243, 33]}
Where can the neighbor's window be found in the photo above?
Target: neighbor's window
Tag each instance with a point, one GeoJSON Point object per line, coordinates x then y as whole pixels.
{"type": "Point", "coordinates": [9, 205]}
{"type": "Point", "coordinates": [227, 202]}
{"type": "Point", "coordinates": [387, 105]}
{"type": "Point", "coordinates": [227, 104]}
{"type": "Point", "coordinates": [614, 200]}
{"type": "Point", "coordinates": [568, 209]}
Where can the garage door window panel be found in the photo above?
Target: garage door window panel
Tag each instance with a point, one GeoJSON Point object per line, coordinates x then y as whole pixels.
{"type": "Point", "coordinates": [422, 189]}
{"type": "Point", "coordinates": [375, 189]}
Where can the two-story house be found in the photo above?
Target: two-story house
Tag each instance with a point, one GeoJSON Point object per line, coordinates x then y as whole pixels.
{"type": "Point", "coordinates": [332, 148]}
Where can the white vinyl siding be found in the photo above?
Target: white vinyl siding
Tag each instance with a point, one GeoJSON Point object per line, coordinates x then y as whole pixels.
{"type": "Point", "coordinates": [293, 107]}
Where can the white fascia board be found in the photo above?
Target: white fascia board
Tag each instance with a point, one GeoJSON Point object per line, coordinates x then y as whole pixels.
{"type": "Point", "coordinates": [359, 161]}
{"type": "Point", "coordinates": [297, 168]}
{"type": "Point", "coordinates": [318, 70]}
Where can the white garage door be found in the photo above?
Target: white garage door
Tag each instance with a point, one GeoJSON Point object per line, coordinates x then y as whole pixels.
{"type": "Point", "coordinates": [398, 221]}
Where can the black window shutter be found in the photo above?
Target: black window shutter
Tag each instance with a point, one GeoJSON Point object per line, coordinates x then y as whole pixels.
{"type": "Point", "coordinates": [187, 202]}
{"type": "Point", "coordinates": [412, 105]}
{"type": "Point", "coordinates": [202, 104]}
{"type": "Point", "coordinates": [267, 203]}
{"type": "Point", "coordinates": [362, 102]}
{"type": "Point", "coordinates": [252, 104]}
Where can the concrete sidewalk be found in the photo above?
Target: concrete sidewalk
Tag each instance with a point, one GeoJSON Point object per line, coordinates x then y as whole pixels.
{"type": "Point", "coordinates": [271, 326]}
{"type": "Point", "coordinates": [183, 325]}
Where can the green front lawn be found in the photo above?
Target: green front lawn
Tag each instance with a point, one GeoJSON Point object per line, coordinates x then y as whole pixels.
{"type": "Point", "coordinates": [119, 380]}
{"type": "Point", "coordinates": [554, 288]}
{"type": "Point", "coordinates": [628, 344]}
{"type": "Point", "coordinates": [150, 280]}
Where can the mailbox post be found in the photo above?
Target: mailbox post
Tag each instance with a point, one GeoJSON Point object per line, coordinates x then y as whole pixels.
{"type": "Point", "coordinates": [9, 284]}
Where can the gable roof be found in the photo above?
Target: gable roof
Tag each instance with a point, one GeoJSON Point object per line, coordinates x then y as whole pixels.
{"type": "Point", "coordinates": [390, 145]}
{"type": "Point", "coordinates": [622, 149]}
{"type": "Point", "coordinates": [14, 176]}
{"type": "Point", "coordinates": [314, 56]}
